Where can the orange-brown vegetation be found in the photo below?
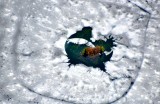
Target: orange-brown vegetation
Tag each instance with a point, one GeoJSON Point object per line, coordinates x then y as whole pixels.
{"type": "Point", "coordinates": [92, 51]}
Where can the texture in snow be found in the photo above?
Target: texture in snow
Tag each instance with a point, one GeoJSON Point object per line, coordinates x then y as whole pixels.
{"type": "Point", "coordinates": [33, 60]}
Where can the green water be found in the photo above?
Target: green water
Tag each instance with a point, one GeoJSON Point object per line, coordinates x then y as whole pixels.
{"type": "Point", "coordinates": [74, 51]}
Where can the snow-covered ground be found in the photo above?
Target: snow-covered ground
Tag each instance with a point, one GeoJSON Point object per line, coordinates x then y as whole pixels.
{"type": "Point", "coordinates": [33, 66]}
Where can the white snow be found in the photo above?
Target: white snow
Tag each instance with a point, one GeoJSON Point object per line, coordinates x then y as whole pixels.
{"type": "Point", "coordinates": [42, 27]}
{"type": "Point", "coordinates": [78, 41]}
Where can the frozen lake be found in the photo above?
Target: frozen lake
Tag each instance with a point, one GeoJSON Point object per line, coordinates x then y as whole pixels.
{"type": "Point", "coordinates": [35, 69]}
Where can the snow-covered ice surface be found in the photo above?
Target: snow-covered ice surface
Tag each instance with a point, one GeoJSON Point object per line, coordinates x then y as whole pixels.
{"type": "Point", "coordinates": [33, 66]}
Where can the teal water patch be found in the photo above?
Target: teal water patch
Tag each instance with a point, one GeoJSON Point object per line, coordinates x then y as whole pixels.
{"type": "Point", "coordinates": [75, 52]}
{"type": "Point", "coordinates": [85, 33]}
